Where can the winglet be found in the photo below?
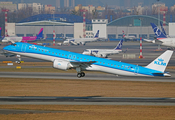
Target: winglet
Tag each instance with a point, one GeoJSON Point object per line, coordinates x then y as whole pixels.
{"type": "Point", "coordinates": [161, 62]}
{"type": "Point", "coordinates": [119, 46]}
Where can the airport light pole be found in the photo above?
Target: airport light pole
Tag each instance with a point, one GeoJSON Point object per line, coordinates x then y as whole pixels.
{"type": "Point", "coordinates": [5, 10]}
{"type": "Point", "coordinates": [140, 39]}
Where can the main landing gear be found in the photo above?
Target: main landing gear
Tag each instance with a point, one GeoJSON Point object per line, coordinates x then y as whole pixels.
{"type": "Point", "coordinates": [79, 75]}
{"type": "Point", "coordinates": [79, 72]}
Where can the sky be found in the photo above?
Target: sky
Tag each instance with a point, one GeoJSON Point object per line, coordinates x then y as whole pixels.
{"type": "Point", "coordinates": [132, 3]}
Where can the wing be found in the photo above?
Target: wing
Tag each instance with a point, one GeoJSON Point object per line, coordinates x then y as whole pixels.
{"type": "Point", "coordinates": [81, 64]}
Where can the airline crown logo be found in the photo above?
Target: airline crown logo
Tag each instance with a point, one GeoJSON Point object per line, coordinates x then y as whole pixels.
{"type": "Point", "coordinates": [160, 62]}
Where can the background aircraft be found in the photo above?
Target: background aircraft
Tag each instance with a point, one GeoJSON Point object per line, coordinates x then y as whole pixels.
{"type": "Point", "coordinates": [128, 37]}
{"type": "Point", "coordinates": [161, 38]}
{"type": "Point", "coordinates": [66, 60]}
{"type": "Point", "coordinates": [24, 39]}
{"type": "Point", "coordinates": [82, 41]}
{"type": "Point", "coordinates": [104, 52]}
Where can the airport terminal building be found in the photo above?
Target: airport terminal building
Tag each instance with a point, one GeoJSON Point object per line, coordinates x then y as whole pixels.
{"type": "Point", "coordinates": [72, 26]}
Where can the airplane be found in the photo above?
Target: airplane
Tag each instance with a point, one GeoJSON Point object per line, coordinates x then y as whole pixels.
{"type": "Point", "coordinates": [82, 41]}
{"type": "Point", "coordinates": [64, 38]}
{"type": "Point", "coordinates": [161, 38]}
{"type": "Point", "coordinates": [65, 60]}
{"type": "Point", "coordinates": [128, 37]}
{"type": "Point", "coordinates": [104, 52]}
{"type": "Point", "coordinates": [24, 39]}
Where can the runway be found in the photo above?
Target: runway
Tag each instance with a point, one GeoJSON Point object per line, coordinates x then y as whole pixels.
{"type": "Point", "coordinates": [32, 100]}
{"type": "Point", "coordinates": [89, 76]}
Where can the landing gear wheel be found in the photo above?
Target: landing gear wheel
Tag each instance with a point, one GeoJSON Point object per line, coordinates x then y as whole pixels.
{"type": "Point", "coordinates": [79, 75]}
{"type": "Point", "coordinates": [19, 62]}
{"type": "Point", "coordinates": [82, 74]}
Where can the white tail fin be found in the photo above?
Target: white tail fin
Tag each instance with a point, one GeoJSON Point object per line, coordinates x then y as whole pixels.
{"type": "Point", "coordinates": [161, 62]}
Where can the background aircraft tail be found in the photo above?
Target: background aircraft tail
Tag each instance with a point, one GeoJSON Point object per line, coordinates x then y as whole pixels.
{"type": "Point", "coordinates": [119, 46]}
{"type": "Point", "coordinates": [123, 34]}
{"type": "Point", "coordinates": [161, 62]}
{"type": "Point", "coordinates": [97, 34]}
{"type": "Point", "coordinates": [40, 34]}
{"type": "Point", "coordinates": [157, 31]}
{"type": "Point", "coordinates": [163, 30]}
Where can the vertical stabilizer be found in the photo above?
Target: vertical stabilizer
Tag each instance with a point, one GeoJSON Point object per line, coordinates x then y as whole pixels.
{"type": "Point", "coordinates": [163, 30]}
{"type": "Point", "coordinates": [119, 46]}
{"type": "Point", "coordinates": [97, 34]}
{"type": "Point", "coordinates": [123, 34]}
{"type": "Point", "coordinates": [157, 31]}
{"type": "Point", "coordinates": [161, 62]}
{"type": "Point", "coordinates": [40, 34]}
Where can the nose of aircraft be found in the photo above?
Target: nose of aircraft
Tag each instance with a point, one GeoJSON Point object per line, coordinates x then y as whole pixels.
{"type": "Point", "coordinates": [9, 47]}
{"type": "Point", "coordinates": [6, 48]}
{"type": "Point", "coordinates": [65, 42]}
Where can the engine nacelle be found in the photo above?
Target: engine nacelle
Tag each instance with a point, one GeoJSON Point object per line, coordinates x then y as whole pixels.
{"type": "Point", "coordinates": [62, 65]}
{"type": "Point", "coordinates": [104, 56]}
{"type": "Point", "coordinates": [83, 43]}
{"type": "Point", "coordinates": [101, 55]}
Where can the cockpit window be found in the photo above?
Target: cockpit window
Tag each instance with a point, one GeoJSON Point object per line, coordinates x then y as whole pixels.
{"type": "Point", "coordinates": [13, 44]}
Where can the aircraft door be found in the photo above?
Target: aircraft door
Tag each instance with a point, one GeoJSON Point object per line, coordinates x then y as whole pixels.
{"type": "Point", "coordinates": [23, 49]}
{"type": "Point", "coordinates": [136, 70]}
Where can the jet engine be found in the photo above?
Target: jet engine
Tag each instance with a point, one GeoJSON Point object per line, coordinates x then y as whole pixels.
{"type": "Point", "coordinates": [62, 65]}
{"type": "Point", "coordinates": [101, 55]}
{"type": "Point", "coordinates": [83, 43]}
